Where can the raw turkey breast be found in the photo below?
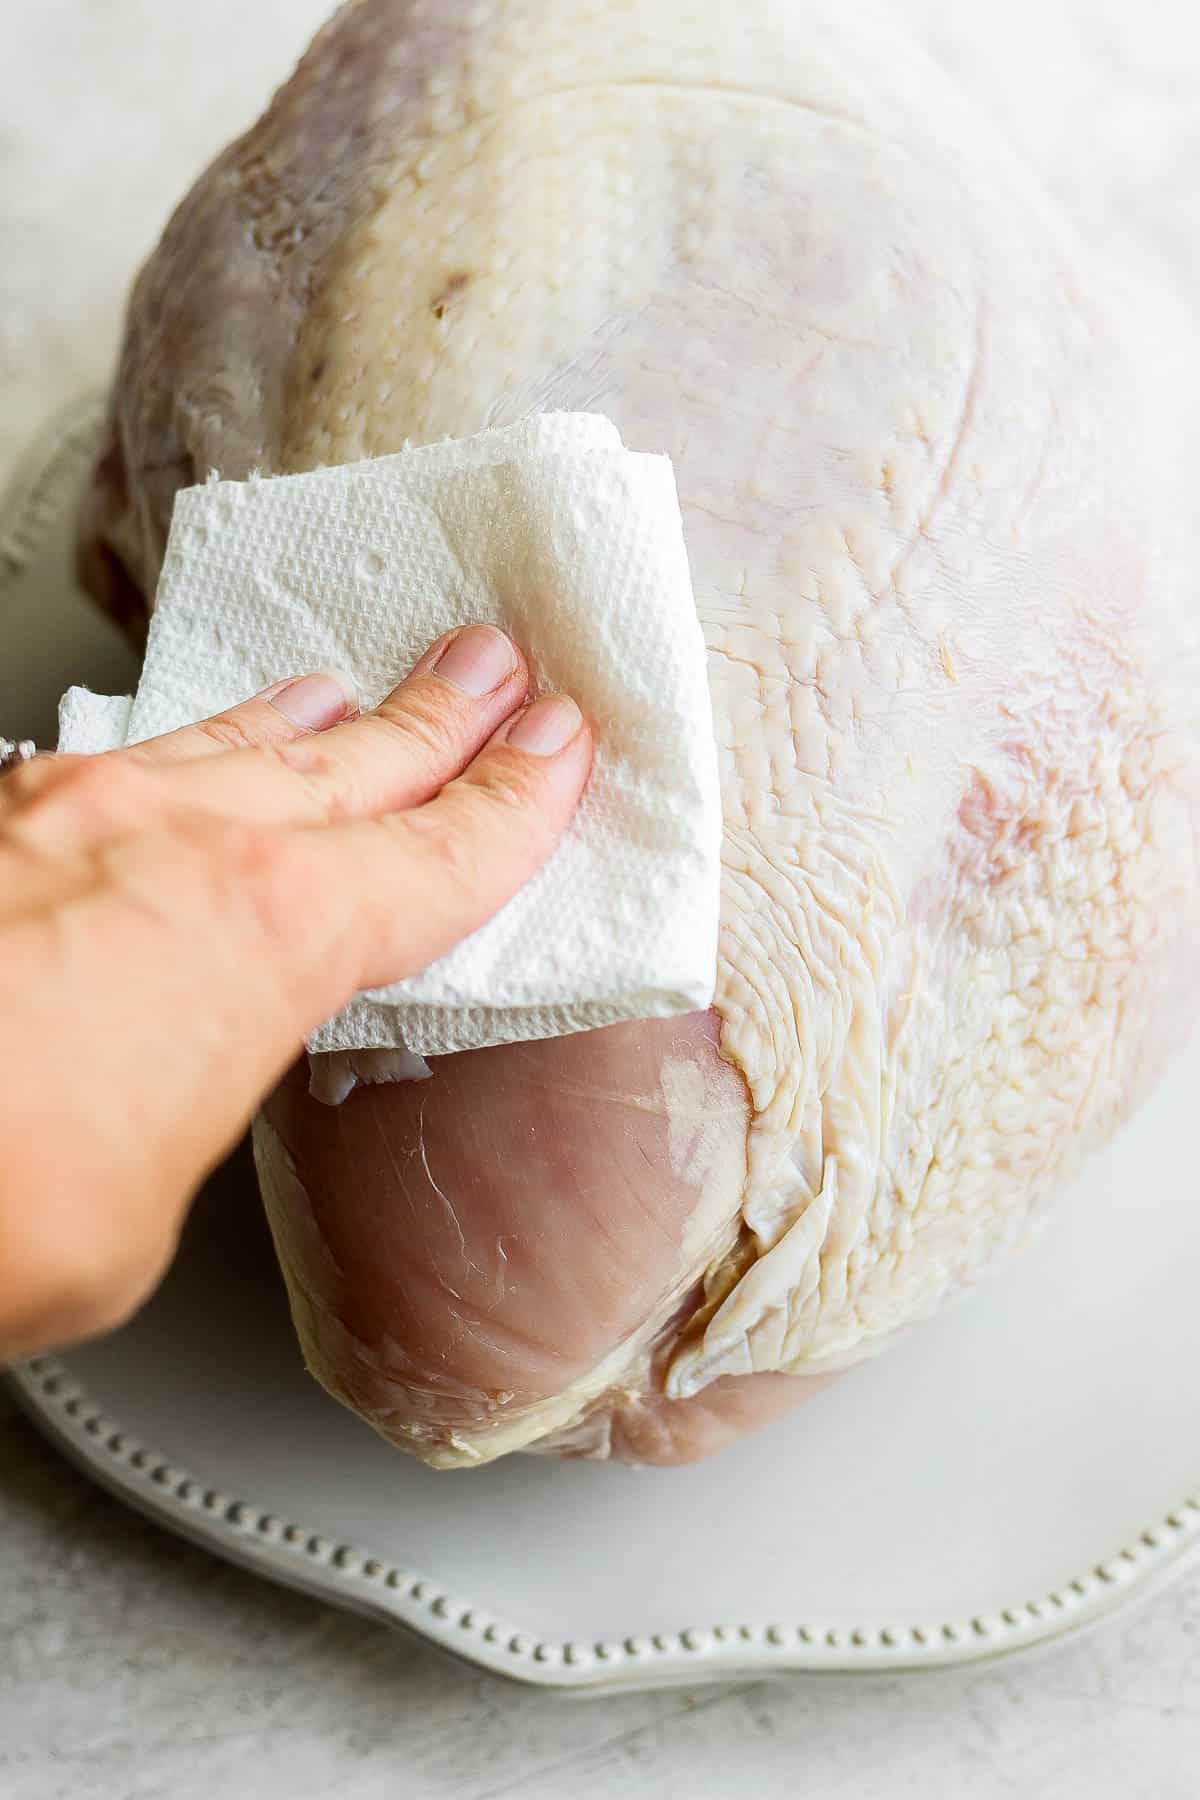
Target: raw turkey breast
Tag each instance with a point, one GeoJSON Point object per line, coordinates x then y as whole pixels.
{"type": "Point", "coordinates": [937, 489]}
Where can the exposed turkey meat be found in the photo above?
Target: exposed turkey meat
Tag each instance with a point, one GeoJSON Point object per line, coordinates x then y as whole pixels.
{"type": "Point", "coordinates": [933, 491]}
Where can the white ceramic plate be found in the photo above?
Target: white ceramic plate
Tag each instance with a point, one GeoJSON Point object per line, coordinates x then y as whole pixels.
{"type": "Point", "coordinates": [1011, 1472]}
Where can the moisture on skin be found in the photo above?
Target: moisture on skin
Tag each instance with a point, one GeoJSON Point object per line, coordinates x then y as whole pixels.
{"type": "Point", "coordinates": [936, 492]}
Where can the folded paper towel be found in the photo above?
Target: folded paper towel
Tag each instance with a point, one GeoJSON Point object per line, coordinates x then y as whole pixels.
{"type": "Point", "coordinates": [555, 531]}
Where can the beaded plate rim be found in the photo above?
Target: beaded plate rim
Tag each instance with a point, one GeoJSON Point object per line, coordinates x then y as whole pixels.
{"type": "Point", "coordinates": [352, 1576]}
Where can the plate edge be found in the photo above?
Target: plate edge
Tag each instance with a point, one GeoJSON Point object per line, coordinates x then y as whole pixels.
{"type": "Point", "coordinates": [353, 1577]}
{"type": "Point", "coordinates": [30, 501]}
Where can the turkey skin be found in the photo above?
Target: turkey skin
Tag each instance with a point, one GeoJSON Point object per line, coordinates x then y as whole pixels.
{"type": "Point", "coordinates": [936, 473]}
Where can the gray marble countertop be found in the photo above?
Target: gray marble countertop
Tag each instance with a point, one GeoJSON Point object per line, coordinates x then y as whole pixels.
{"type": "Point", "coordinates": [133, 1666]}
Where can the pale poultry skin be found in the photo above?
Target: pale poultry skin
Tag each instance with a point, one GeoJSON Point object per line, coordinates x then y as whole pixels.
{"type": "Point", "coordinates": [935, 474]}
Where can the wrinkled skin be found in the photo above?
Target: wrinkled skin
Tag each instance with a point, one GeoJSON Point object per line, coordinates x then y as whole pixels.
{"type": "Point", "coordinates": [936, 495]}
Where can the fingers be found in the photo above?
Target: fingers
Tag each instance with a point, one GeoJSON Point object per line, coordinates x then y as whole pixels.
{"type": "Point", "coordinates": [281, 713]}
{"type": "Point", "coordinates": [400, 755]}
{"type": "Point", "coordinates": [426, 878]}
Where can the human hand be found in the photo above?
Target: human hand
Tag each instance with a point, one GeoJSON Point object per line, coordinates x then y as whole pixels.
{"type": "Point", "coordinates": [176, 916]}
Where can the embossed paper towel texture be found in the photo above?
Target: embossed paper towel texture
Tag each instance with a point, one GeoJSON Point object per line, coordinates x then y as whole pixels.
{"type": "Point", "coordinates": [573, 544]}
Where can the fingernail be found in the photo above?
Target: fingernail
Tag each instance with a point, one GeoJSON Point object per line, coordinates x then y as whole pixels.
{"type": "Point", "coordinates": [547, 726]}
{"type": "Point", "coordinates": [317, 701]}
{"type": "Point", "coordinates": [478, 661]}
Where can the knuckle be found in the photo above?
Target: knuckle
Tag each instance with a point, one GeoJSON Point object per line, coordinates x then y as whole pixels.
{"type": "Point", "coordinates": [330, 783]}
{"type": "Point", "coordinates": [254, 857]}
{"type": "Point", "coordinates": [511, 789]}
{"type": "Point", "coordinates": [429, 723]}
{"type": "Point", "coordinates": [268, 873]}
{"type": "Point", "coordinates": [227, 732]}
{"type": "Point", "coordinates": [29, 780]}
{"type": "Point", "coordinates": [491, 817]}
{"type": "Point", "coordinates": [95, 790]}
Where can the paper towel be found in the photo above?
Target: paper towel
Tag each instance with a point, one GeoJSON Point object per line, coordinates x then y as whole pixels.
{"type": "Point", "coordinates": [90, 723]}
{"type": "Point", "coordinates": [555, 531]}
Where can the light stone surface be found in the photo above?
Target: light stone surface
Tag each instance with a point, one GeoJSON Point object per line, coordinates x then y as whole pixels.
{"type": "Point", "coordinates": [134, 1666]}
